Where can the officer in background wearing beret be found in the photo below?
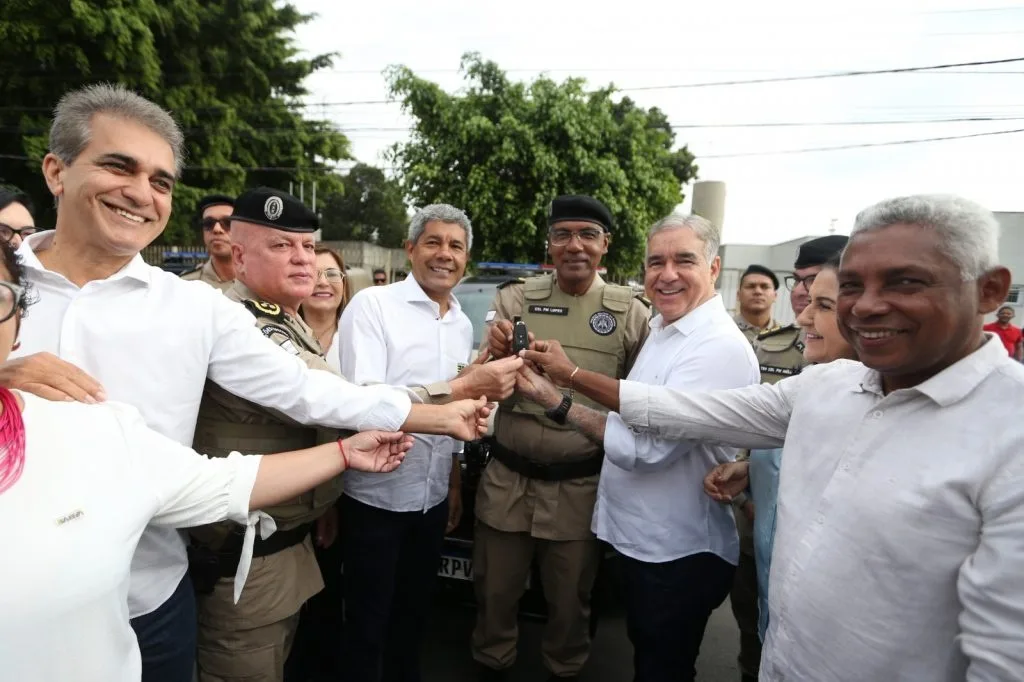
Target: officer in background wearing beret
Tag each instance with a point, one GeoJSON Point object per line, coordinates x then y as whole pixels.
{"type": "Point", "coordinates": [272, 248]}
{"type": "Point", "coordinates": [780, 353]}
{"type": "Point", "coordinates": [211, 217]}
{"type": "Point", "coordinates": [755, 297]}
{"type": "Point", "coordinates": [536, 496]}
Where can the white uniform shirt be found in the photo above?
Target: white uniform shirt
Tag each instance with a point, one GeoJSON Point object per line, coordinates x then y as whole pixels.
{"type": "Point", "coordinates": [651, 504]}
{"type": "Point", "coordinates": [899, 547]}
{"type": "Point", "coordinates": [151, 339]}
{"type": "Point", "coordinates": [395, 334]}
{"type": "Point", "coordinates": [94, 477]}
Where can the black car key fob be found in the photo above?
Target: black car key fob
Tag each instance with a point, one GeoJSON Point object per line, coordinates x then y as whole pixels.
{"type": "Point", "coordinates": [520, 335]}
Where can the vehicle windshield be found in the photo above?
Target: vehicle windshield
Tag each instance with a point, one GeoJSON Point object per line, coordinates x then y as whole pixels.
{"type": "Point", "coordinates": [475, 299]}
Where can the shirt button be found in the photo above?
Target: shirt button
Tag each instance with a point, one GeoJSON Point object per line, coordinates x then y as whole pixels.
{"type": "Point", "coordinates": [877, 414]}
{"type": "Point", "coordinates": [820, 520]}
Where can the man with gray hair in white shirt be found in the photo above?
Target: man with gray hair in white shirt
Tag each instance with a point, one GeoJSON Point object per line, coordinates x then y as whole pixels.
{"type": "Point", "coordinates": [409, 333]}
{"type": "Point", "coordinates": [153, 339]}
{"type": "Point", "coordinates": [898, 551]}
{"type": "Point", "coordinates": [679, 547]}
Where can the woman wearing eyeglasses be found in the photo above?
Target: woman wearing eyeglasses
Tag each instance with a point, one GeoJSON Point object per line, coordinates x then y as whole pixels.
{"type": "Point", "coordinates": [78, 483]}
{"type": "Point", "coordinates": [322, 310]}
{"type": "Point", "coordinates": [16, 221]}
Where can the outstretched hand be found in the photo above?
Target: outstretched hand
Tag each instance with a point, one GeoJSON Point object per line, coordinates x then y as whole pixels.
{"type": "Point", "coordinates": [726, 481]}
{"type": "Point", "coordinates": [551, 359]}
{"type": "Point", "coordinates": [376, 451]}
{"type": "Point", "coordinates": [468, 418]}
{"type": "Point", "coordinates": [537, 388]}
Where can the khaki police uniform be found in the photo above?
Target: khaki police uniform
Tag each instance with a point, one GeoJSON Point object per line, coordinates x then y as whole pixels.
{"type": "Point", "coordinates": [207, 273]}
{"type": "Point", "coordinates": [251, 640]}
{"type": "Point", "coordinates": [519, 516]}
{"type": "Point", "coordinates": [749, 330]}
{"type": "Point", "coordinates": [780, 353]}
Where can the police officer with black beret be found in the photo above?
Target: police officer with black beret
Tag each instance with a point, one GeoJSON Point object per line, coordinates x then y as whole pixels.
{"type": "Point", "coordinates": [536, 497]}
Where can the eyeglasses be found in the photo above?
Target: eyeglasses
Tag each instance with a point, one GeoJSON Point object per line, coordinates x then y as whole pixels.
{"type": "Point", "coordinates": [563, 237]}
{"type": "Point", "coordinates": [210, 223]}
{"type": "Point", "coordinates": [380, 280]}
{"type": "Point", "coordinates": [10, 300]}
{"type": "Point", "coordinates": [7, 232]}
{"type": "Point", "coordinates": [792, 280]}
{"type": "Point", "coordinates": [331, 274]}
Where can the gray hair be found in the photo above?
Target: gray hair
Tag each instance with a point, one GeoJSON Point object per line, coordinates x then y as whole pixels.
{"type": "Point", "coordinates": [968, 232]}
{"type": "Point", "coordinates": [72, 120]}
{"type": "Point", "coordinates": [444, 213]}
{"type": "Point", "coordinates": [705, 230]}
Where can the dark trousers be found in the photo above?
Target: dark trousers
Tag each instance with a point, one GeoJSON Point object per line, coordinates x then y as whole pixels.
{"type": "Point", "coordinates": [316, 652]}
{"type": "Point", "coordinates": [667, 609]}
{"type": "Point", "coordinates": [167, 637]}
{"type": "Point", "coordinates": [391, 562]}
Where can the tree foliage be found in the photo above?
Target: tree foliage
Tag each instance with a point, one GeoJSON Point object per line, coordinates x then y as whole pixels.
{"type": "Point", "coordinates": [371, 203]}
{"type": "Point", "coordinates": [228, 71]}
{"type": "Point", "coordinates": [501, 150]}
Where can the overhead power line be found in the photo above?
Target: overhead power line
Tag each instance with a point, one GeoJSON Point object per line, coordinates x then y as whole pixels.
{"type": "Point", "coordinates": [822, 76]}
{"type": "Point", "coordinates": [864, 145]}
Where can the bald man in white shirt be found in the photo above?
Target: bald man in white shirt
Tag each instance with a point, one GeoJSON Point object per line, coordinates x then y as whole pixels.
{"type": "Point", "coordinates": [898, 552]}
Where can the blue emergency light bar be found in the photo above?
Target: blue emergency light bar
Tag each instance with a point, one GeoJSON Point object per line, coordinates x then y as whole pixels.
{"type": "Point", "coordinates": [507, 266]}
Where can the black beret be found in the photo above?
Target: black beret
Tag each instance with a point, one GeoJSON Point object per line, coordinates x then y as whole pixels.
{"type": "Point", "coordinates": [578, 207]}
{"type": "Point", "coordinates": [274, 208]}
{"type": "Point", "coordinates": [212, 200]}
{"type": "Point", "coordinates": [818, 251]}
{"type": "Point", "coordinates": [755, 269]}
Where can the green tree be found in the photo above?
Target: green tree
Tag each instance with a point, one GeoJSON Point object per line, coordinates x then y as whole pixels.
{"type": "Point", "coordinates": [501, 150]}
{"type": "Point", "coordinates": [228, 71]}
{"type": "Point", "coordinates": [370, 203]}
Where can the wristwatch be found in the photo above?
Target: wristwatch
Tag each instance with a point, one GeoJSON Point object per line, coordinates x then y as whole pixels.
{"type": "Point", "coordinates": [558, 414]}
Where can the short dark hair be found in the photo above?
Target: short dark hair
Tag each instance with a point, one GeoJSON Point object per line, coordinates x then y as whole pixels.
{"type": "Point", "coordinates": [12, 195]}
{"type": "Point", "coordinates": [755, 269]}
{"type": "Point", "coordinates": [380, 271]}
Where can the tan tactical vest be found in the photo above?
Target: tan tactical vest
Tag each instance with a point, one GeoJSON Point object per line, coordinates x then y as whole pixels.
{"type": "Point", "coordinates": [228, 423]}
{"type": "Point", "coordinates": [780, 353]}
{"type": "Point", "coordinates": [591, 329]}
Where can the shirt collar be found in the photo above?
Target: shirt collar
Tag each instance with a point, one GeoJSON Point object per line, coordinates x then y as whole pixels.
{"type": "Point", "coordinates": [692, 320]}
{"type": "Point", "coordinates": [412, 292]}
{"type": "Point", "coordinates": [136, 268]}
{"type": "Point", "coordinates": [954, 383]}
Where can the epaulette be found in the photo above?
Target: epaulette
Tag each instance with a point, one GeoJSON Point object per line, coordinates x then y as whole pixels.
{"type": "Point", "coordinates": [775, 332]}
{"type": "Point", "coordinates": [643, 299]}
{"type": "Point", "coordinates": [264, 309]}
{"type": "Point", "coordinates": [516, 280]}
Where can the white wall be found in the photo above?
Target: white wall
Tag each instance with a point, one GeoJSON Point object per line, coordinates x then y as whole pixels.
{"type": "Point", "coordinates": [778, 257]}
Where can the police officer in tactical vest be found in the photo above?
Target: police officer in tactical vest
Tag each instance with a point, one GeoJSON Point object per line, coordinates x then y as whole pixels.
{"type": "Point", "coordinates": [272, 244]}
{"type": "Point", "coordinates": [211, 218]}
{"type": "Point", "coordinates": [755, 299]}
{"type": "Point", "coordinates": [780, 352]}
{"type": "Point", "coordinates": [536, 496]}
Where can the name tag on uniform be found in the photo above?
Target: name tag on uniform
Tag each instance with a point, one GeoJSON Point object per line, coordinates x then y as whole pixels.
{"type": "Point", "coordinates": [548, 310]}
{"type": "Point", "coordinates": [782, 371]}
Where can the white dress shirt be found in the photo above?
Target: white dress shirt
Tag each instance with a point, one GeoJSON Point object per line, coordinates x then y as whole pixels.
{"type": "Point", "coordinates": [899, 549]}
{"type": "Point", "coordinates": [151, 339]}
{"type": "Point", "coordinates": [395, 334]}
{"type": "Point", "coordinates": [651, 504]}
{"type": "Point", "coordinates": [94, 477]}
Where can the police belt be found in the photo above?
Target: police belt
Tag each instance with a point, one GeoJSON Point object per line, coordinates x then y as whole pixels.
{"type": "Point", "coordinates": [548, 471]}
{"type": "Point", "coordinates": [231, 553]}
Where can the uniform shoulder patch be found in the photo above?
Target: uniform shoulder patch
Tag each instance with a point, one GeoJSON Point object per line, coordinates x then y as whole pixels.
{"type": "Point", "coordinates": [516, 280]}
{"type": "Point", "coordinates": [775, 332]}
{"type": "Point", "coordinates": [264, 309]}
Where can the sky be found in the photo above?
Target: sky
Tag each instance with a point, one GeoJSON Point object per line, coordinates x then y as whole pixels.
{"type": "Point", "coordinates": [644, 44]}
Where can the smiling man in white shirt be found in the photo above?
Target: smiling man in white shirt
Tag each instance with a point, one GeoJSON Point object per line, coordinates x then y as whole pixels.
{"type": "Point", "coordinates": [409, 333]}
{"type": "Point", "coordinates": [898, 552]}
{"type": "Point", "coordinates": [680, 548]}
{"type": "Point", "coordinates": [152, 339]}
